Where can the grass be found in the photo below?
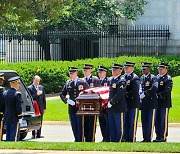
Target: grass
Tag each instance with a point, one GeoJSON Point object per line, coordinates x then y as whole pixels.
{"type": "Point", "coordinates": [57, 110]}
{"type": "Point", "coordinates": [125, 147]}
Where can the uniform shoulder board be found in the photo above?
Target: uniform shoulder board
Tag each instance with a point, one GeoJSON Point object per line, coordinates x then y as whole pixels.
{"type": "Point", "coordinates": [169, 77]}
{"type": "Point", "coordinates": [81, 80]}
{"type": "Point", "coordinates": [110, 78]}
{"type": "Point", "coordinates": [135, 76]}
{"type": "Point", "coordinates": [123, 78]}
{"type": "Point", "coordinates": [95, 77]}
{"type": "Point", "coordinates": [18, 92]}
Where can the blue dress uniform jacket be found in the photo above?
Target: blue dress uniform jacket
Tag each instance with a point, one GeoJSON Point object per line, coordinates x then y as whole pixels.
{"type": "Point", "coordinates": [12, 106]}
{"type": "Point", "coordinates": [117, 95]}
{"type": "Point", "coordinates": [93, 81]}
{"type": "Point", "coordinates": [132, 90]}
{"type": "Point", "coordinates": [149, 87]}
{"type": "Point", "coordinates": [164, 91]}
{"type": "Point", "coordinates": [105, 82]}
{"type": "Point", "coordinates": [73, 91]}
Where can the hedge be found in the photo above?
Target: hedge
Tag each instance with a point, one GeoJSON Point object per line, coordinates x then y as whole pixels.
{"type": "Point", "coordinates": [54, 73]}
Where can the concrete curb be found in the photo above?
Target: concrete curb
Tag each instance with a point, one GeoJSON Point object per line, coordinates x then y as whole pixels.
{"type": "Point", "coordinates": [68, 123]}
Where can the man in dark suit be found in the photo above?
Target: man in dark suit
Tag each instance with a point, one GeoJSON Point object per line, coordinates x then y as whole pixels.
{"type": "Point", "coordinates": [73, 87]}
{"type": "Point", "coordinates": [165, 84]}
{"type": "Point", "coordinates": [38, 93]}
{"type": "Point", "coordinates": [117, 104]}
{"type": "Point", "coordinates": [12, 110]}
{"type": "Point", "coordinates": [1, 111]}
{"type": "Point", "coordinates": [132, 100]}
{"type": "Point", "coordinates": [103, 119]}
{"type": "Point", "coordinates": [148, 98]}
{"type": "Point", "coordinates": [89, 121]}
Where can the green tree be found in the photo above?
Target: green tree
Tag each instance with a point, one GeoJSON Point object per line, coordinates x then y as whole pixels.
{"type": "Point", "coordinates": [38, 15]}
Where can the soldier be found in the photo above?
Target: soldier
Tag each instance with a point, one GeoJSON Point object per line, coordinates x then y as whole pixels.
{"type": "Point", "coordinates": [12, 101]}
{"type": "Point", "coordinates": [103, 119]}
{"type": "Point", "coordinates": [72, 88]}
{"type": "Point", "coordinates": [165, 84]}
{"type": "Point", "coordinates": [132, 100]}
{"type": "Point", "coordinates": [89, 121]}
{"type": "Point", "coordinates": [149, 101]}
{"type": "Point", "coordinates": [117, 104]}
{"type": "Point", "coordinates": [1, 111]}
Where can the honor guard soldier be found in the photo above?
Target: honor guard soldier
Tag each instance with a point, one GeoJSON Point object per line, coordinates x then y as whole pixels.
{"type": "Point", "coordinates": [1, 110]}
{"type": "Point", "coordinates": [103, 119]}
{"type": "Point", "coordinates": [165, 84]}
{"type": "Point", "coordinates": [117, 104]}
{"type": "Point", "coordinates": [132, 100]}
{"type": "Point", "coordinates": [148, 98]}
{"type": "Point", "coordinates": [92, 81]}
{"type": "Point", "coordinates": [72, 88]}
{"type": "Point", "coordinates": [12, 101]}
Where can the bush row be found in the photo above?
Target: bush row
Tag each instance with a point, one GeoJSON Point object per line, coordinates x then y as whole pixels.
{"type": "Point", "coordinates": [54, 73]}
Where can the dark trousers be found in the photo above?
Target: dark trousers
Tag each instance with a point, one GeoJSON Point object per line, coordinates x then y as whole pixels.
{"type": "Point", "coordinates": [12, 131]}
{"type": "Point", "coordinates": [89, 122]}
{"type": "Point", "coordinates": [116, 126]}
{"type": "Point", "coordinates": [76, 125]}
{"type": "Point", "coordinates": [147, 118]}
{"type": "Point", "coordinates": [104, 126]}
{"type": "Point", "coordinates": [161, 123]}
{"type": "Point", "coordinates": [38, 132]}
{"type": "Point", "coordinates": [130, 125]}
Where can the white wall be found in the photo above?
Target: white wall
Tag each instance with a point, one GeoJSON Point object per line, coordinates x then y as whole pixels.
{"type": "Point", "coordinates": [163, 12]}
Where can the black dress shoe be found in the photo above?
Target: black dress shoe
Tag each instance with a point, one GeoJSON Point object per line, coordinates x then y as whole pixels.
{"type": "Point", "coordinates": [39, 136]}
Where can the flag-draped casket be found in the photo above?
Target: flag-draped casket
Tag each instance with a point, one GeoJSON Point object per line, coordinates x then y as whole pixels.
{"type": "Point", "coordinates": [93, 101]}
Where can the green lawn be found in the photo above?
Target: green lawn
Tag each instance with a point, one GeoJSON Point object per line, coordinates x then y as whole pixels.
{"type": "Point", "coordinates": [57, 110]}
{"type": "Point", "coordinates": [125, 147]}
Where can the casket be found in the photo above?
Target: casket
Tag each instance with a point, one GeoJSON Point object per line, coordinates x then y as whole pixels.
{"type": "Point", "coordinates": [93, 101]}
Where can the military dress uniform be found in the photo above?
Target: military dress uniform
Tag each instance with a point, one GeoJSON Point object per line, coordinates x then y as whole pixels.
{"type": "Point", "coordinates": [12, 110]}
{"type": "Point", "coordinates": [165, 84]}
{"type": "Point", "coordinates": [103, 119]}
{"type": "Point", "coordinates": [89, 121]}
{"type": "Point", "coordinates": [148, 103]}
{"type": "Point", "coordinates": [133, 101]}
{"type": "Point", "coordinates": [1, 110]}
{"type": "Point", "coordinates": [117, 98]}
{"type": "Point", "coordinates": [73, 88]}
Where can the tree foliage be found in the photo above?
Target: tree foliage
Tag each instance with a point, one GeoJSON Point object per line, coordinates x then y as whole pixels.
{"type": "Point", "coordinates": [27, 15]}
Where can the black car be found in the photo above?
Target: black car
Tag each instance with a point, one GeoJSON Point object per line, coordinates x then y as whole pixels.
{"type": "Point", "coordinates": [30, 120]}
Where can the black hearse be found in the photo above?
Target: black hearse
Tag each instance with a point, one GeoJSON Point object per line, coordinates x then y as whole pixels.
{"type": "Point", "coordinates": [30, 120]}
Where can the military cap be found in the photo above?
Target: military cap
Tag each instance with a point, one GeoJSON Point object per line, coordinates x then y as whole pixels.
{"type": "Point", "coordinates": [2, 76]}
{"type": "Point", "coordinates": [162, 65]}
{"type": "Point", "coordinates": [117, 66]}
{"type": "Point", "coordinates": [146, 65]}
{"type": "Point", "coordinates": [14, 79]}
{"type": "Point", "coordinates": [129, 64]}
{"type": "Point", "coordinates": [102, 68]}
{"type": "Point", "coordinates": [72, 69]}
{"type": "Point", "coordinates": [87, 66]}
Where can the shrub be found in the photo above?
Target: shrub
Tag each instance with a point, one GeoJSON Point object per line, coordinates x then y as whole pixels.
{"type": "Point", "coordinates": [54, 73]}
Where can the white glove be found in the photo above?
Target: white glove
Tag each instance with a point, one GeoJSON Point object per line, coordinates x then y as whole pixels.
{"type": "Point", "coordinates": [20, 120]}
{"type": "Point", "coordinates": [71, 102]}
{"type": "Point", "coordinates": [142, 96]}
{"type": "Point", "coordinates": [109, 105]}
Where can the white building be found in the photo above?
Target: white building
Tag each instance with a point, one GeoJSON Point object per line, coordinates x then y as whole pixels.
{"type": "Point", "coordinates": [163, 12]}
